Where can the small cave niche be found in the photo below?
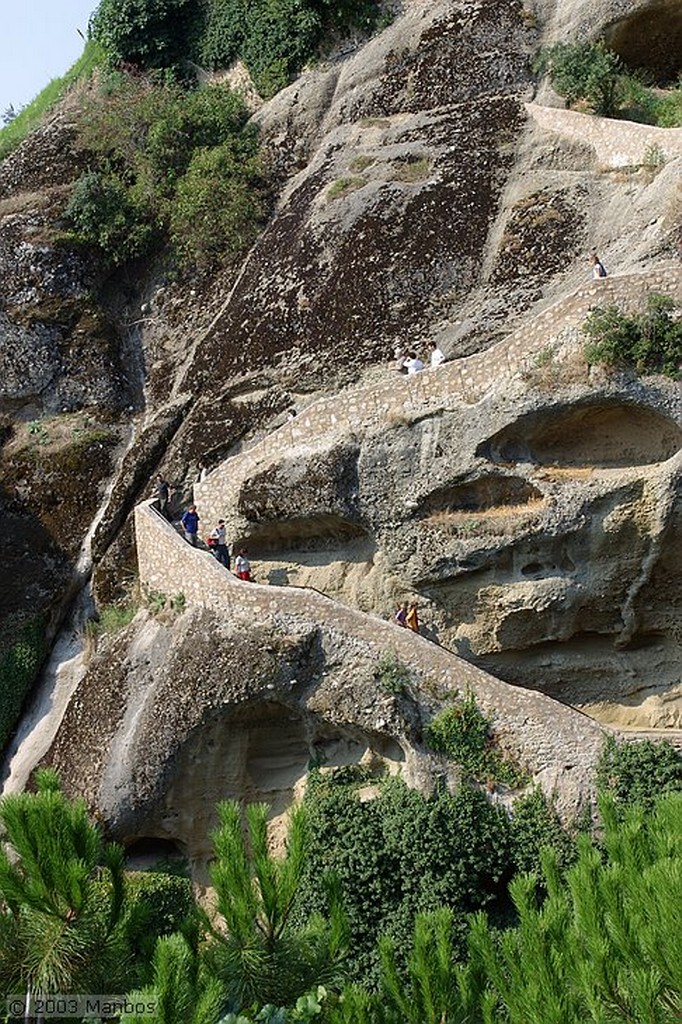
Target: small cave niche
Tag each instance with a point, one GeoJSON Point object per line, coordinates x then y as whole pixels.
{"type": "Point", "coordinates": [481, 495]}
{"type": "Point", "coordinates": [650, 40]}
{"type": "Point", "coordinates": [148, 853]}
{"type": "Point", "coordinates": [303, 533]}
{"type": "Point", "coordinates": [578, 437]}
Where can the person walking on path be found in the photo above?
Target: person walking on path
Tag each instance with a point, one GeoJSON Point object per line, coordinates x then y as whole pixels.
{"type": "Point", "coordinates": [163, 496]}
{"type": "Point", "coordinates": [437, 355]}
{"type": "Point", "coordinates": [242, 566]}
{"type": "Point", "coordinates": [598, 269]}
{"type": "Point", "coordinates": [219, 545]}
{"type": "Point", "coordinates": [400, 616]}
{"type": "Point", "coordinates": [412, 619]}
{"type": "Point", "coordinates": [190, 524]}
{"type": "Point", "coordinates": [413, 363]}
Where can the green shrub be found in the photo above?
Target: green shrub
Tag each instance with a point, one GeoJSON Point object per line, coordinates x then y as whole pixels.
{"type": "Point", "coordinates": [391, 673]}
{"type": "Point", "coordinates": [649, 342]}
{"type": "Point", "coordinates": [584, 71]}
{"type": "Point", "coordinates": [218, 208]}
{"type": "Point", "coordinates": [168, 899]}
{"type": "Point", "coordinates": [148, 33]}
{"type": "Point", "coordinates": [669, 108]}
{"type": "Point", "coordinates": [535, 826]}
{"type": "Point", "coordinates": [172, 165]}
{"type": "Point", "coordinates": [463, 733]}
{"type": "Point", "coordinates": [275, 38]}
{"type": "Point", "coordinates": [401, 853]}
{"type": "Point", "coordinates": [106, 212]}
{"type": "Point", "coordinates": [639, 771]}
{"type": "Point", "coordinates": [20, 663]}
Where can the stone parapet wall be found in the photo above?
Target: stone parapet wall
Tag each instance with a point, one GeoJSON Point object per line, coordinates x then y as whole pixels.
{"type": "Point", "coordinates": [466, 380]}
{"type": "Point", "coordinates": [559, 745]}
{"type": "Point", "coordinates": [615, 143]}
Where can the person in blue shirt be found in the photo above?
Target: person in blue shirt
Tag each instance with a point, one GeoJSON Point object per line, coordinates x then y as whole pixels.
{"type": "Point", "coordinates": [190, 524]}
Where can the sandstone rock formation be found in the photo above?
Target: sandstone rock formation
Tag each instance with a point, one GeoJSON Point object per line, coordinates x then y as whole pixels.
{"type": "Point", "coordinates": [421, 196]}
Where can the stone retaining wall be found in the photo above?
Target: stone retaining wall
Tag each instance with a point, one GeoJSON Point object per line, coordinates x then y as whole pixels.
{"type": "Point", "coordinates": [615, 143]}
{"type": "Point", "coordinates": [558, 744]}
{"type": "Point", "coordinates": [467, 380]}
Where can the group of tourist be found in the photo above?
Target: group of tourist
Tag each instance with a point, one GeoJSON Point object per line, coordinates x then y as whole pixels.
{"type": "Point", "coordinates": [407, 360]}
{"type": "Point", "coordinates": [407, 616]}
{"type": "Point", "coordinates": [216, 541]}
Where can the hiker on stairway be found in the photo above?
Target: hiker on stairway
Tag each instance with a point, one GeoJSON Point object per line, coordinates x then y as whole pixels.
{"type": "Point", "coordinates": [218, 544]}
{"type": "Point", "coordinates": [190, 524]}
{"type": "Point", "coordinates": [412, 619]}
{"type": "Point", "coordinates": [242, 566]}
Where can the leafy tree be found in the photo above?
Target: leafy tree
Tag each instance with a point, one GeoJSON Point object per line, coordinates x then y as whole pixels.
{"type": "Point", "coordinates": [106, 212]}
{"type": "Point", "coordinates": [148, 33]}
{"type": "Point", "coordinates": [639, 772]}
{"type": "Point", "coordinates": [55, 931]}
{"type": "Point", "coordinates": [218, 209]}
{"type": "Point", "coordinates": [584, 71]}
{"type": "Point", "coordinates": [258, 951]}
{"type": "Point", "coordinates": [649, 342]}
{"type": "Point", "coordinates": [400, 854]}
{"type": "Point", "coordinates": [146, 138]}
{"type": "Point", "coordinates": [275, 38]}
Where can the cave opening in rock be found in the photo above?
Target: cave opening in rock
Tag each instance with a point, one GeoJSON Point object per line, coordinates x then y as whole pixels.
{"type": "Point", "coordinates": [146, 853]}
{"type": "Point", "coordinates": [649, 41]}
{"type": "Point", "coordinates": [599, 435]}
{"type": "Point", "coordinates": [482, 494]}
{"type": "Point", "coordinates": [305, 533]}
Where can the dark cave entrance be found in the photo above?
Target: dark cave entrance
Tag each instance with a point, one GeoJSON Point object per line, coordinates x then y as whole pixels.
{"type": "Point", "coordinates": [650, 41]}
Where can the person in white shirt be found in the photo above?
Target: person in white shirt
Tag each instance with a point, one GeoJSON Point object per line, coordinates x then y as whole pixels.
{"type": "Point", "coordinates": [412, 364]}
{"type": "Point", "coordinates": [242, 566]}
{"type": "Point", "coordinates": [219, 544]}
{"type": "Point", "coordinates": [437, 356]}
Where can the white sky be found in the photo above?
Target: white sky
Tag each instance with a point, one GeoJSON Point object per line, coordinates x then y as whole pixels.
{"type": "Point", "coordinates": [38, 42]}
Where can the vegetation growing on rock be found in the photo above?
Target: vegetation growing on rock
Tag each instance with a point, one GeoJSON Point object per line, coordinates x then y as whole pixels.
{"type": "Point", "coordinates": [168, 165]}
{"type": "Point", "coordinates": [590, 72]}
{"type": "Point", "coordinates": [649, 342]}
{"type": "Point", "coordinates": [594, 936]}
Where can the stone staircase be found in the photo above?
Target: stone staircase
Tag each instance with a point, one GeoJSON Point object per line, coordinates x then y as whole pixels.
{"type": "Point", "coordinates": [460, 381]}
{"type": "Point", "coordinates": [559, 745]}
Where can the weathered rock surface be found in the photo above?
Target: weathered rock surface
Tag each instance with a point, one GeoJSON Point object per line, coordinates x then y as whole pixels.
{"type": "Point", "coordinates": [419, 199]}
{"type": "Point", "coordinates": [174, 716]}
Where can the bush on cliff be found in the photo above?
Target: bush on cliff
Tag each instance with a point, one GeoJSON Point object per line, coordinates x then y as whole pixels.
{"type": "Point", "coordinates": [639, 772]}
{"type": "Point", "coordinates": [649, 342]}
{"type": "Point", "coordinates": [167, 164]}
{"type": "Point", "coordinates": [147, 33]}
{"type": "Point", "coordinates": [274, 38]}
{"type": "Point", "coordinates": [584, 71]}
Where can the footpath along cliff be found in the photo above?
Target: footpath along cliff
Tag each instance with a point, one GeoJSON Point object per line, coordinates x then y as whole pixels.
{"type": "Point", "coordinates": [423, 192]}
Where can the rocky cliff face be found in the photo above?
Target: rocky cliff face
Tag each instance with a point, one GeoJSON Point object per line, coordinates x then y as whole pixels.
{"type": "Point", "coordinates": [417, 200]}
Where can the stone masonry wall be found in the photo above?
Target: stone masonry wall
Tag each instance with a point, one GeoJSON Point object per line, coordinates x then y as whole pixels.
{"type": "Point", "coordinates": [462, 380]}
{"type": "Point", "coordinates": [615, 143]}
{"type": "Point", "coordinates": [559, 745]}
